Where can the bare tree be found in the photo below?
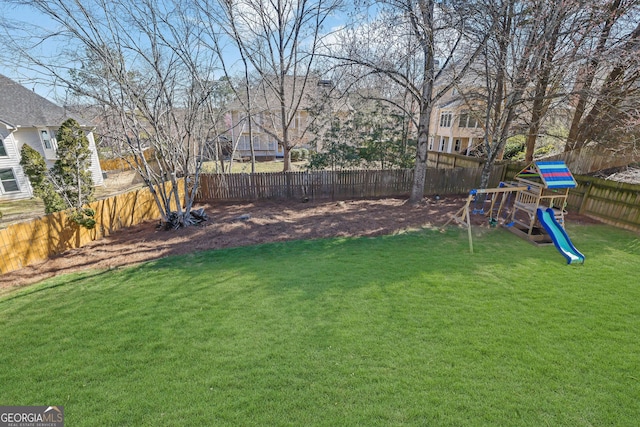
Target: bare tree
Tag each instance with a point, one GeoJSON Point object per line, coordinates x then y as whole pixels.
{"type": "Point", "coordinates": [218, 22]}
{"type": "Point", "coordinates": [442, 42]}
{"type": "Point", "coordinates": [150, 70]}
{"type": "Point", "coordinates": [539, 48]}
{"type": "Point", "coordinates": [278, 40]}
{"type": "Point", "coordinates": [563, 34]}
{"type": "Point", "coordinates": [609, 75]}
{"type": "Point", "coordinates": [510, 61]}
{"type": "Point", "coordinates": [609, 86]}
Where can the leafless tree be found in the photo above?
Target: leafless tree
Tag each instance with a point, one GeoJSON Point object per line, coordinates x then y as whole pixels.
{"type": "Point", "coordinates": [218, 22]}
{"type": "Point", "coordinates": [151, 72]}
{"type": "Point", "coordinates": [277, 40]}
{"type": "Point", "coordinates": [541, 56]}
{"type": "Point", "coordinates": [436, 35]}
{"type": "Point", "coordinates": [511, 59]}
{"type": "Point", "coordinates": [565, 29]}
{"type": "Point", "coordinates": [608, 78]}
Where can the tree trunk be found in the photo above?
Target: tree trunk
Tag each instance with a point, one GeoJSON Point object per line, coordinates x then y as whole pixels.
{"type": "Point", "coordinates": [426, 102]}
{"type": "Point", "coordinates": [287, 158]}
{"type": "Point", "coordinates": [486, 174]}
{"type": "Point", "coordinates": [540, 103]}
{"type": "Point", "coordinates": [420, 170]}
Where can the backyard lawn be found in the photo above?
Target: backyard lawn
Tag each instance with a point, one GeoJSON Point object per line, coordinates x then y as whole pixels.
{"type": "Point", "coordinates": [402, 330]}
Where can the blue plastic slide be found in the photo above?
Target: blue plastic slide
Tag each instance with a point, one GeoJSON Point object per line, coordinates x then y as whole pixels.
{"type": "Point", "coordinates": [559, 236]}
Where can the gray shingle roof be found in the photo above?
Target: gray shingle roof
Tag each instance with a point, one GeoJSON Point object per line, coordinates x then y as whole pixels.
{"type": "Point", "coordinates": [21, 107]}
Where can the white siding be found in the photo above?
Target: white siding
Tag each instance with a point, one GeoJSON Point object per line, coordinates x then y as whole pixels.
{"type": "Point", "coordinates": [12, 161]}
{"type": "Point", "coordinates": [31, 136]}
{"type": "Point", "coordinates": [96, 171]}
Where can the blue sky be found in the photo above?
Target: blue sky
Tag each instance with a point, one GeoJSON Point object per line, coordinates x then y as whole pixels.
{"type": "Point", "coordinates": [24, 75]}
{"type": "Point", "coordinates": [37, 81]}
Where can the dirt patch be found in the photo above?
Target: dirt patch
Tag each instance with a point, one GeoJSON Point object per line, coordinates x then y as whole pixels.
{"type": "Point", "coordinates": [243, 224]}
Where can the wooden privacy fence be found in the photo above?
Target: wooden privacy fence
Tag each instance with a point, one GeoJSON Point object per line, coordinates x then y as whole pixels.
{"type": "Point", "coordinates": [336, 185]}
{"type": "Point", "coordinates": [614, 203]}
{"type": "Point", "coordinates": [25, 243]}
{"type": "Point", "coordinates": [312, 185]}
{"type": "Point", "coordinates": [592, 159]}
{"type": "Point", "coordinates": [580, 162]}
{"type": "Point", "coordinates": [611, 202]}
{"type": "Point", "coordinates": [123, 163]}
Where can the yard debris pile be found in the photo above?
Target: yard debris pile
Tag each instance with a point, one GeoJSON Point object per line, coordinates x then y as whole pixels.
{"type": "Point", "coordinates": [195, 217]}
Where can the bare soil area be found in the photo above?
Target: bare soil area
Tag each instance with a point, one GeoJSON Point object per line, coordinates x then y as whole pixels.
{"type": "Point", "coordinates": [242, 224]}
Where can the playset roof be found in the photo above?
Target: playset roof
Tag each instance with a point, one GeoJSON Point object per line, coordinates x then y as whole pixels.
{"type": "Point", "coordinates": [553, 174]}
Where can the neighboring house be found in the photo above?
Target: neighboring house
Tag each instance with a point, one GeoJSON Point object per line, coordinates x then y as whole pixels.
{"type": "Point", "coordinates": [266, 127]}
{"type": "Point", "coordinates": [28, 118]}
{"type": "Point", "coordinates": [454, 128]}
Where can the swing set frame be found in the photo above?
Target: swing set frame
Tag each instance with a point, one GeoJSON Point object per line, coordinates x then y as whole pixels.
{"type": "Point", "coordinates": [463, 216]}
{"type": "Point", "coordinates": [541, 185]}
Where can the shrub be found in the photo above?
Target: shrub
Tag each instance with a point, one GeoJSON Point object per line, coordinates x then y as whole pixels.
{"type": "Point", "coordinates": [304, 154]}
{"type": "Point", "coordinates": [35, 168]}
{"type": "Point", "coordinates": [514, 149]}
{"type": "Point", "coordinates": [544, 150]}
{"type": "Point", "coordinates": [295, 155]}
{"type": "Point", "coordinates": [68, 185]}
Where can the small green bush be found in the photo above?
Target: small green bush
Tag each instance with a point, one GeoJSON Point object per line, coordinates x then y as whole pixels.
{"type": "Point", "coordinates": [544, 150]}
{"type": "Point", "coordinates": [84, 217]}
{"type": "Point", "coordinates": [514, 149]}
{"type": "Point", "coordinates": [304, 154]}
{"type": "Point", "coordinates": [295, 155]}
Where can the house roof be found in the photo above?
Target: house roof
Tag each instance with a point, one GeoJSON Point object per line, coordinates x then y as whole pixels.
{"type": "Point", "coordinates": [554, 174]}
{"type": "Point", "coordinates": [21, 107]}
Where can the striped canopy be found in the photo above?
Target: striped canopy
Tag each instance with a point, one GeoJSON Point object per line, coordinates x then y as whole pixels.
{"type": "Point", "coordinates": [553, 174]}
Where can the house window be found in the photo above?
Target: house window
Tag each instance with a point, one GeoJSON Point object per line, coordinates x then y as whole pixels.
{"type": "Point", "coordinates": [467, 120]}
{"type": "Point", "coordinates": [258, 143]}
{"type": "Point", "coordinates": [46, 139]}
{"type": "Point", "coordinates": [445, 119]}
{"type": "Point", "coordinates": [9, 181]}
{"type": "Point", "coordinates": [297, 121]}
{"type": "Point", "coordinates": [457, 145]}
{"type": "Point", "coordinates": [464, 118]}
{"type": "Point", "coordinates": [441, 143]}
{"type": "Point", "coordinates": [3, 151]}
{"type": "Point", "coordinates": [243, 144]}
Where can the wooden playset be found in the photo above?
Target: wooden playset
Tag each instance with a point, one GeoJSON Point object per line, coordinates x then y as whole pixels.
{"type": "Point", "coordinates": [537, 213]}
{"type": "Point", "coordinates": [547, 186]}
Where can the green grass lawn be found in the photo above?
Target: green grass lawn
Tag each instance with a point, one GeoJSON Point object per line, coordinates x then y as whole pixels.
{"type": "Point", "coordinates": [402, 330]}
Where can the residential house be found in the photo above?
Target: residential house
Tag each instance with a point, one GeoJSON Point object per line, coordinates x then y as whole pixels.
{"type": "Point", "coordinates": [28, 118]}
{"type": "Point", "coordinates": [454, 127]}
{"type": "Point", "coordinates": [301, 95]}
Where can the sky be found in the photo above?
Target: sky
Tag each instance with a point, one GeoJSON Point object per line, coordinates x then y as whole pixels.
{"type": "Point", "coordinates": [36, 81]}
{"type": "Point", "coordinates": [22, 75]}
